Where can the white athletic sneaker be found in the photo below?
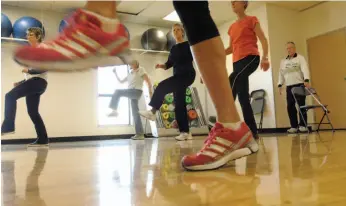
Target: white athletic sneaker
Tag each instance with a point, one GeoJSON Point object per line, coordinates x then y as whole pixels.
{"type": "Point", "coordinates": [114, 113]}
{"type": "Point", "coordinates": [148, 115]}
{"type": "Point", "coordinates": [138, 137]}
{"type": "Point", "coordinates": [292, 130]}
{"type": "Point", "coordinates": [7, 133]}
{"type": "Point", "coordinates": [303, 129]}
{"type": "Point", "coordinates": [184, 136]}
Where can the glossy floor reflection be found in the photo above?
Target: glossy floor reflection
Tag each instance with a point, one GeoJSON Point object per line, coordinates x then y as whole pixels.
{"type": "Point", "coordinates": [288, 170]}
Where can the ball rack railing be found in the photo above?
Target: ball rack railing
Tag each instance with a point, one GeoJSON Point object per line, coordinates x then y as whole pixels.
{"type": "Point", "coordinates": [143, 51]}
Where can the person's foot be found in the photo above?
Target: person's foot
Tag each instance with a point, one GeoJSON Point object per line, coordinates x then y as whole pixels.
{"type": "Point", "coordinates": [184, 136]}
{"type": "Point", "coordinates": [148, 115]}
{"type": "Point", "coordinates": [292, 130]}
{"type": "Point", "coordinates": [138, 137]}
{"type": "Point", "coordinates": [303, 129]}
{"type": "Point", "coordinates": [221, 146]}
{"type": "Point", "coordinates": [6, 133]}
{"type": "Point", "coordinates": [114, 113]}
{"type": "Point", "coordinates": [83, 45]}
{"type": "Point", "coordinates": [39, 143]}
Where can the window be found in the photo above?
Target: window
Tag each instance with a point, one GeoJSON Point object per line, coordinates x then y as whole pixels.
{"type": "Point", "coordinates": [107, 84]}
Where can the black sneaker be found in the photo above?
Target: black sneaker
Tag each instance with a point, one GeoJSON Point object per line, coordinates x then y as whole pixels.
{"type": "Point", "coordinates": [39, 143]}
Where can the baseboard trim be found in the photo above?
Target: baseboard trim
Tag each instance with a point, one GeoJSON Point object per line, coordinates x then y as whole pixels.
{"type": "Point", "coordinates": [272, 130]}
{"type": "Point", "coordinates": [71, 139]}
{"type": "Point", "coordinates": [128, 136]}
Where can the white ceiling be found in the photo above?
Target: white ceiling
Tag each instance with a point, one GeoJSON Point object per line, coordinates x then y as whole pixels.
{"type": "Point", "coordinates": [152, 12]}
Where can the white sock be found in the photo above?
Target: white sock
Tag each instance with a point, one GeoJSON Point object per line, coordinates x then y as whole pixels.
{"type": "Point", "coordinates": [108, 24]}
{"type": "Point", "coordinates": [232, 126]}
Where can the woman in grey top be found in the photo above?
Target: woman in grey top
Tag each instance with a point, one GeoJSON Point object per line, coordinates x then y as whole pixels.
{"type": "Point", "coordinates": [134, 92]}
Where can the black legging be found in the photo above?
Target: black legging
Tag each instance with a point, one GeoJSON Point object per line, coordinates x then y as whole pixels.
{"type": "Point", "coordinates": [32, 89]}
{"type": "Point", "coordinates": [239, 80]}
{"type": "Point", "coordinates": [176, 84]}
{"type": "Point", "coordinates": [198, 24]}
{"type": "Point", "coordinates": [291, 107]}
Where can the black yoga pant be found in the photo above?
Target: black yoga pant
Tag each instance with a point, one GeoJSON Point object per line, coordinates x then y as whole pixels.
{"type": "Point", "coordinates": [198, 24]}
{"type": "Point", "coordinates": [239, 80]}
{"type": "Point", "coordinates": [177, 85]}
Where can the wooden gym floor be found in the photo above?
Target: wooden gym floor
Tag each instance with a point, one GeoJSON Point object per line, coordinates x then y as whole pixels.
{"type": "Point", "coordinates": [299, 170]}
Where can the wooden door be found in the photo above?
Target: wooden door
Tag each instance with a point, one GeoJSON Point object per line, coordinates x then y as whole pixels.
{"type": "Point", "coordinates": [327, 61]}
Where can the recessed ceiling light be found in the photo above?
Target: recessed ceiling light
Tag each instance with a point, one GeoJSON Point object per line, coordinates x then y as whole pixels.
{"type": "Point", "coordinates": [172, 17]}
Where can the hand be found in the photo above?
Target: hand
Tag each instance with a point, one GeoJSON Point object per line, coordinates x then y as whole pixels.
{"type": "Point", "coordinates": [306, 84]}
{"type": "Point", "coordinates": [280, 90]}
{"type": "Point", "coordinates": [265, 64]}
{"type": "Point", "coordinates": [25, 70]}
{"type": "Point", "coordinates": [42, 45]}
{"type": "Point", "coordinates": [160, 66]}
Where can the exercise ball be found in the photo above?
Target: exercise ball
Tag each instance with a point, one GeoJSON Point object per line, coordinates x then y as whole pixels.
{"type": "Point", "coordinates": [154, 39]}
{"type": "Point", "coordinates": [62, 25]}
{"type": "Point", "coordinates": [6, 26]}
{"type": "Point", "coordinates": [64, 22]}
{"type": "Point", "coordinates": [128, 33]}
{"type": "Point", "coordinates": [170, 40]}
{"type": "Point", "coordinates": [23, 24]}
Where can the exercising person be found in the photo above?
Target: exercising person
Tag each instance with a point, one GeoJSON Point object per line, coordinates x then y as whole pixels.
{"type": "Point", "coordinates": [294, 72]}
{"type": "Point", "coordinates": [180, 58]}
{"type": "Point", "coordinates": [228, 140]}
{"type": "Point", "coordinates": [134, 92]}
{"type": "Point", "coordinates": [246, 58]}
{"type": "Point", "coordinates": [32, 87]}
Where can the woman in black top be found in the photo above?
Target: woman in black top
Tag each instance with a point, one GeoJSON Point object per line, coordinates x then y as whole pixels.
{"type": "Point", "coordinates": [32, 88]}
{"type": "Point", "coordinates": [184, 74]}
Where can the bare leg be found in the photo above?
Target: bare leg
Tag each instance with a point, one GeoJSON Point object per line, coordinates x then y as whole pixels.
{"type": "Point", "coordinates": [220, 92]}
{"type": "Point", "coordinates": [104, 8]}
{"type": "Point", "coordinates": [230, 138]}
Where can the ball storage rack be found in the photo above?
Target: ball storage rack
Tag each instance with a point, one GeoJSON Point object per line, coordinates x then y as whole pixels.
{"type": "Point", "coordinates": [166, 125]}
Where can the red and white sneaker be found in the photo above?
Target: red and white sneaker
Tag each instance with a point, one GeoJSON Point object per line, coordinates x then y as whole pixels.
{"type": "Point", "coordinates": [82, 45]}
{"type": "Point", "coordinates": [222, 146]}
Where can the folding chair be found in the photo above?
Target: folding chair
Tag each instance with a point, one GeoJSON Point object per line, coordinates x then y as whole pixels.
{"type": "Point", "coordinates": [257, 103]}
{"type": "Point", "coordinates": [212, 122]}
{"type": "Point", "coordinates": [303, 91]}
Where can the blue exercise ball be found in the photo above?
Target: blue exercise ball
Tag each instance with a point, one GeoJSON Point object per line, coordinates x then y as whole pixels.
{"type": "Point", "coordinates": [6, 26]}
{"type": "Point", "coordinates": [170, 40]}
{"type": "Point", "coordinates": [23, 24]}
{"type": "Point", "coordinates": [62, 25]}
{"type": "Point", "coordinates": [128, 33]}
{"type": "Point", "coordinates": [64, 22]}
{"type": "Point", "coordinates": [154, 39]}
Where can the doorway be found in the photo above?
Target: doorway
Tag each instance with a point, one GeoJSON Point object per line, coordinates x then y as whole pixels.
{"type": "Point", "coordinates": [327, 59]}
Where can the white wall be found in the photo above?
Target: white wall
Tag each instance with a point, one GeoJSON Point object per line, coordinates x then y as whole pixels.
{"type": "Point", "coordinates": [259, 79]}
{"type": "Point", "coordinates": [284, 26]}
{"type": "Point", "coordinates": [69, 106]}
{"type": "Point", "coordinates": [322, 19]}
